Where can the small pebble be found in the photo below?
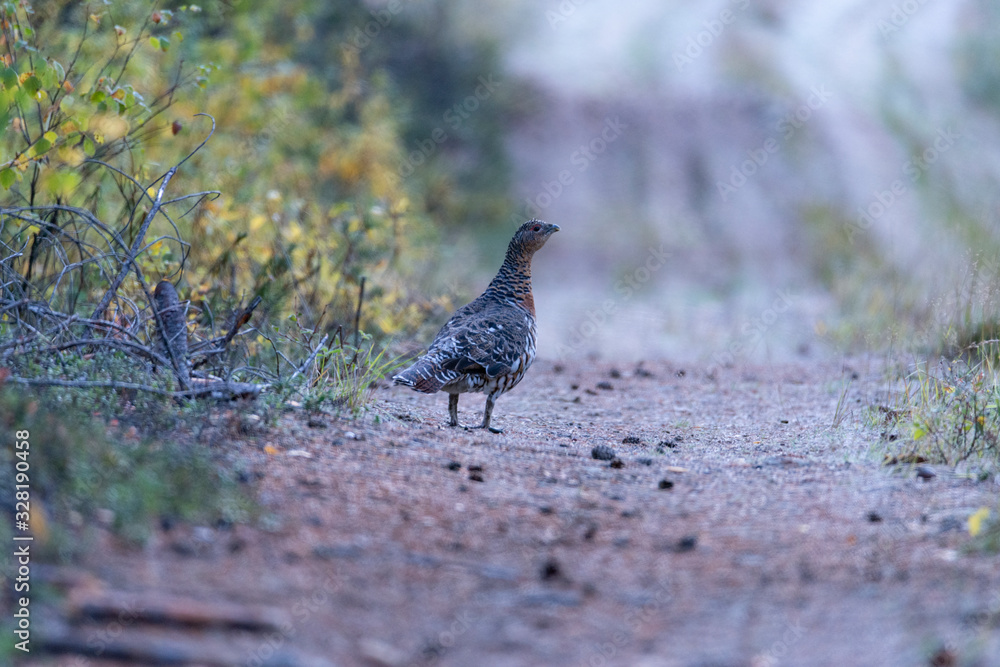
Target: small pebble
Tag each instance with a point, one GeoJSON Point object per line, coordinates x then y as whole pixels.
{"type": "Point", "coordinates": [606, 386]}
{"type": "Point", "coordinates": [617, 463]}
{"type": "Point", "coordinates": [665, 484]}
{"type": "Point", "coordinates": [686, 543]}
{"type": "Point", "coordinates": [925, 473]}
{"type": "Point", "coordinates": [874, 517]}
{"type": "Point", "coordinates": [453, 466]}
{"type": "Point", "coordinates": [551, 570]}
{"type": "Point", "coordinates": [602, 453]}
{"type": "Point", "coordinates": [631, 440]}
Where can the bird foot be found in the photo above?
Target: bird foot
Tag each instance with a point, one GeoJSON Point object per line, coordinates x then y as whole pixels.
{"type": "Point", "coordinates": [491, 429]}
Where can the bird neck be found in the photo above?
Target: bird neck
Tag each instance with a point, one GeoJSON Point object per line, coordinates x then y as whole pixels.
{"type": "Point", "coordinates": [513, 280]}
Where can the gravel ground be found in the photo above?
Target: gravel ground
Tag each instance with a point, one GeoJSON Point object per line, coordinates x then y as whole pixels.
{"type": "Point", "coordinates": [725, 520]}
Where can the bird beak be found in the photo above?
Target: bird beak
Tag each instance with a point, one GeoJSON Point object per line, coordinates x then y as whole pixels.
{"type": "Point", "coordinates": [555, 228]}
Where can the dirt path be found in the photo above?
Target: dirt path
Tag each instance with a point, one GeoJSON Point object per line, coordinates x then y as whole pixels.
{"type": "Point", "coordinates": [741, 528]}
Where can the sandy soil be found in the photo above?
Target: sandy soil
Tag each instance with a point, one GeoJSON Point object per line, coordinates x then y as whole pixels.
{"type": "Point", "coordinates": [736, 525]}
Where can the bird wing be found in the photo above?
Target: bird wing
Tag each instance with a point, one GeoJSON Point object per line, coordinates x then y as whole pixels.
{"type": "Point", "coordinates": [488, 341]}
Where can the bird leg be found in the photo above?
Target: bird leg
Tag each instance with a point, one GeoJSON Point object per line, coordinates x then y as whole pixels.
{"type": "Point", "coordinates": [453, 409]}
{"type": "Point", "coordinates": [490, 399]}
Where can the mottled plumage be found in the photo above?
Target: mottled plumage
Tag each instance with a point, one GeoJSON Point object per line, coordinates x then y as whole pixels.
{"type": "Point", "coordinates": [488, 344]}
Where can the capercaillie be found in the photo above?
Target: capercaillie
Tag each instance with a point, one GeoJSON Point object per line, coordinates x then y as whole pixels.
{"type": "Point", "coordinates": [488, 344]}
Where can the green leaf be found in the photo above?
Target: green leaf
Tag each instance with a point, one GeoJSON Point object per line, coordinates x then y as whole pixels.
{"type": "Point", "coordinates": [164, 43]}
{"type": "Point", "coordinates": [98, 96]}
{"type": "Point", "coordinates": [155, 42]}
{"type": "Point", "coordinates": [32, 84]}
{"type": "Point", "coordinates": [7, 178]}
{"type": "Point", "coordinates": [42, 146]}
{"type": "Point", "coordinates": [88, 146]}
{"type": "Point", "coordinates": [9, 79]}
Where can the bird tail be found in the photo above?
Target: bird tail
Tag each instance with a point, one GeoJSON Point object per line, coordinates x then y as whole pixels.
{"type": "Point", "coordinates": [423, 377]}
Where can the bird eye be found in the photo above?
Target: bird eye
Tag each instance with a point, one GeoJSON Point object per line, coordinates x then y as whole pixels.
{"type": "Point", "coordinates": [536, 228]}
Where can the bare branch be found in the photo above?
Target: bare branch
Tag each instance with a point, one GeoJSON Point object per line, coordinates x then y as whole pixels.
{"type": "Point", "coordinates": [136, 244]}
{"type": "Point", "coordinates": [309, 359]}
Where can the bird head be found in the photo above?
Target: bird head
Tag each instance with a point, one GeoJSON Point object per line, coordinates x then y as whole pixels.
{"type": "Point", "coordinates": [533, 234]}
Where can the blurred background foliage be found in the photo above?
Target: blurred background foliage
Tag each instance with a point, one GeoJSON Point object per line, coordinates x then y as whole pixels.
{"type": "Point", "coordinates": [376, 138]}
{"type": "Point", "coordinates": [315, 105]}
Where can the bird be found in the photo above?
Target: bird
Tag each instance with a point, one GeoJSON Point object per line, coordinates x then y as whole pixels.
{"type": "Point", "coordinates": [489, 343]}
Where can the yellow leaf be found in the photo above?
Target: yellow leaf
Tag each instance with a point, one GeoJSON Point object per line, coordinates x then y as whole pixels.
{"type": "Point", "coordinates": [977, 519]}
{"type": "Point", "coordinates": [110, 126]}
{"type": "Point", "coordinates": [73, 157]}
{"type": "Point", "coordinates": [293, 232]}
{"type": "Point", "coordinates": [270, 450]}
{"type": "Point", "coordinates": [256, 222]}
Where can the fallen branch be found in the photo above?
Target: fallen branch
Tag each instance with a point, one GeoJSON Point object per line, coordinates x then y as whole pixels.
{"type": "Point", "coordinates": [124, 345]}
{"type": "Point", "coordinates": [169, 610]}
{"type": "Point", "coordinates": [213, 389]}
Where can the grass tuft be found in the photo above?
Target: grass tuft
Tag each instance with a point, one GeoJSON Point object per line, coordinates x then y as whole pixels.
{"type": "Point", "coordinates": [83, 472]}
{"type": "Point", "coordinates": [952, 411]}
